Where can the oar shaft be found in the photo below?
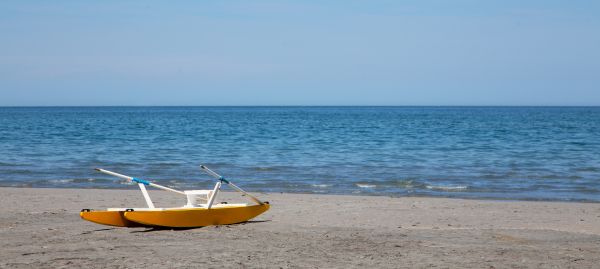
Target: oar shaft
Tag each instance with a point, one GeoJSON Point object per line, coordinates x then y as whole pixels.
{"type": "Point", "coordinates": [114, 174]}
{"type": "Point", "coordinates": [219, 177]}
{"type": "Point", "coordinates": [249, 195]}
{"type": "Point", "coordinates": [210, 172]}
{"type": "Point", "coordinates": [131, 179]}
{"type": "Point", "coordinates": [166, 188]}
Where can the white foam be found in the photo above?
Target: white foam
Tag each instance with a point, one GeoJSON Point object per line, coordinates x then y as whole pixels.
{"type": "Point", "coordinates": [366, 185]}
{"type": "Point", "coordinates": [447, 188]}
{"type": "Point", "coordinates": [61, 181]}
{"type": "Point", "coordinates": [321, 185]}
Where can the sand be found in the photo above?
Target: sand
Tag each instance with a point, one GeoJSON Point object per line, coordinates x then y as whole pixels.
{"type": "Point", "coordinates": [41, 228]}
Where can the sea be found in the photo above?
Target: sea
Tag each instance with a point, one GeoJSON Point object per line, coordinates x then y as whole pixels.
{"type": "Point", "coordinates": [505, 153]}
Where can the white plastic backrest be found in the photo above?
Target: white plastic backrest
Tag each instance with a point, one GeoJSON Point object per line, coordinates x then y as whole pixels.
{"type": "Point", "coordinates": [211, 200]}
{"type": "Point", "coordinates": [194, 195]}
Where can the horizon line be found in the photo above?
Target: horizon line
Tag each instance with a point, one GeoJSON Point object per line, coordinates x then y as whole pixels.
{"type": "Point", "coordinates": [83, 106]}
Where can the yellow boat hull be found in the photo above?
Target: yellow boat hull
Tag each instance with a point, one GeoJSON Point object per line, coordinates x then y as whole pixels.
{"type": "Point", "coordinates": [111, 218]}
{"type": "Point", "coordinates": [196, 217]}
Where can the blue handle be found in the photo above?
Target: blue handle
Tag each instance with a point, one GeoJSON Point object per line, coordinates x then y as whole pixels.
{"type": "Point", "coordinates": [139, 180]}
{"type": "Point", "coordinates": [222, 179]}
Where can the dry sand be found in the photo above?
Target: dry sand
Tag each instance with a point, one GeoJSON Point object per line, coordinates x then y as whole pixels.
{"type": "Point", "coordinates": [41, 228]}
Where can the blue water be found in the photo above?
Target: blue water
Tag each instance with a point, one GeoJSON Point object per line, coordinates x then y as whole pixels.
{"type": "Point", "coordinates": [471, 152]}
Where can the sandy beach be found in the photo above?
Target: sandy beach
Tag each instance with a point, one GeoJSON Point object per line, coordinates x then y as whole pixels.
{"type": "Point", "coordinates": [41, 228]}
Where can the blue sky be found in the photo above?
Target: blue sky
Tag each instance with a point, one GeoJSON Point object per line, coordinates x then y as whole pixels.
{"type": "Point", "coordinates": [300, 52]}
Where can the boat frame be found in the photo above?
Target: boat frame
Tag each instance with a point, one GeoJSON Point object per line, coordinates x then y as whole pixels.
{"type": "Point", "coordinates": [200, 209]}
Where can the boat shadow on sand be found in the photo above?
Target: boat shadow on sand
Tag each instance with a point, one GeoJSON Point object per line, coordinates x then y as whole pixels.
{"type": "Point", "coordinates": [158, 229]}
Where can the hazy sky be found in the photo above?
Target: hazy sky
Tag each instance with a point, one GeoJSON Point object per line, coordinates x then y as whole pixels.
{"type": "Point", "coordinates": [446, 52]}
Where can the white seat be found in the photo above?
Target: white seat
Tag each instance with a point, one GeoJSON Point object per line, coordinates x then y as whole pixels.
{"type": "Point", "coordinates": [193, 197]}
{"type": "Point", "coordinates": [207, 195]}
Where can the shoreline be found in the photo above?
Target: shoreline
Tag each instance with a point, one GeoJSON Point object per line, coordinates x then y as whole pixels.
{"type": "Point", "coordinates": [41, 228]}
{"type": "Point", "coordinates": [483, 198]}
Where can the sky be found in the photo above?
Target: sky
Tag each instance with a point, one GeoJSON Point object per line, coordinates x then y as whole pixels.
{"type": "Point", "coordinates": [445, 52]}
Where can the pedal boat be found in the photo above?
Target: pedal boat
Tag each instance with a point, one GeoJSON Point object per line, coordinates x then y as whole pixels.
{"type": "Point", "coordinates": [199, 211]}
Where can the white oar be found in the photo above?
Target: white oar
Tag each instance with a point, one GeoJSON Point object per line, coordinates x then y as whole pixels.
{"type": "Point", "coordinates": [138, 180]}
{"type": "Point", "coordinates": [222, 179]}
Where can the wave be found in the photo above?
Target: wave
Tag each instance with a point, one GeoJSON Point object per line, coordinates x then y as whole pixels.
{"type": "Point", "coordinates": [4, 164]}
{"type": "Point", "coordinates": [361, 185]}
{"type": "Point", "coordinates": [60, 181]}
{"type": "Point", "coordinates": [447, 187]}
{"type": "Point", "coordinates": [321, 185]}
{"type": "Point", "coordinates": [79, 180]}
{"type": "Point", "coordinates": [271, 168]}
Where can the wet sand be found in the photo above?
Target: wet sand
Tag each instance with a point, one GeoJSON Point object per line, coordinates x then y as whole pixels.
{"type": "Point", "coordinates": [41, 228]}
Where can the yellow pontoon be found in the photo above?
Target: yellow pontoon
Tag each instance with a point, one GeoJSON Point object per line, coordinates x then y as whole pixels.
{"type": "Point", "coordinates": [200, 209]}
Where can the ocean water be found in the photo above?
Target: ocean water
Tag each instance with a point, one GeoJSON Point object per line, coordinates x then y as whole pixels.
{"type": "Point", "coordinates": [531, 153]}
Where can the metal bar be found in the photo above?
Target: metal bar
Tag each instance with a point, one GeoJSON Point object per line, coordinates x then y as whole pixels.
{"type": "Point", "coordinates": [210, 172]}
{"type": "Point", "coordinates": [213, 195]}
{"type": "Point", "coordinates": [166, 188]}
{"type": "Point", "coordinates": [222, 179]}
{"type": "Point", "coordinates": [141, 181]}
{"type": "Point", "coordinates": [247, 194]}
{"type": "Point", "coordinates": [146, 195]}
